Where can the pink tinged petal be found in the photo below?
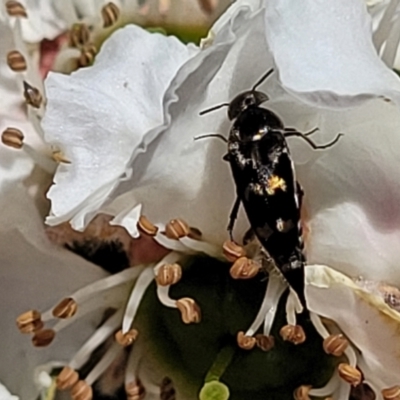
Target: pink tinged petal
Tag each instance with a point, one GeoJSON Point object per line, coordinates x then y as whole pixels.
{"type": "Point", "coordinates": [113, 104]}
{"type": "Point", "coordinates": [324, 52]}
{"type": "Point", "coordinates": [34, 272]}
{"type": "Point", "coordinates": [371, 325]}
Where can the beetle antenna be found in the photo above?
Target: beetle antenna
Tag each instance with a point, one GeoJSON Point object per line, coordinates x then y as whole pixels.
{"type": "Point", "coordinates": [214, 108]}
{"type": "Point", "coordinates": [262, 79]}
{"type": "Point", "coordinates": [217, 135]}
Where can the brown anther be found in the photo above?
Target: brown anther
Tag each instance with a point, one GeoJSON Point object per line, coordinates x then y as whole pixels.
{"type": "Point", "coordinates": [126, 339]}
{"type": "Point", "coordinates": [335, 345]}
{"type": "Point", "coordinates": [59, 157]}
{"type": "Point", "coordinates": [244, 268]}
{"type": "Point", "coordinates": [13, 137]}
{"type": "Point", "coordinates": [169, 274]}
{"type": "Point", "coordinates": [79, 35]}
{"type": "Point", "coordinates": [66, 378]}
{"type": "Point", "coordinates": [245, 342]}
{"type": "Point", "coordinates": [265, 342]}
{"type": "Point", "coordinates": [88, 53]}
{"type": "Point", "coordinates": [15, 9]}
{"type": "Point", "coordinates": [392, 393]}
{"type": "Point", "coordinates": [135, 391]}
{"type": "Point", "coordinates": [66, 308]}
{"type": "Point", "coordinates": [208, 6]}
{"type": "Point", "coordinates": [146, 226]}
{"type": "Point", "coordinates": [190, 311]}
{"type": "Point", "coordinates": [176, 229]}
{"type": "Point", "coordinates": [29, 321]}
{"type": "Point", "coordinates": [32, 95]}
{"type": "Point", "coordinates": [43, 337]}
{"type": "Point", "coordinates": [301, 393]}
{"type": "Point", "coordinates": [293, 333]}
{"type": "Point", "coordinates": [232, 251]}
{"type": "Point", "coordinates": [110, 13]}
{"type": "Point", "coordinates": [195, 233]}
{"type": "Point", "coordinates": [81, 391]}
{"type": "Point", "coordinates": [16, 61]}
{"type": "Point", "coordinates": [350, 374]}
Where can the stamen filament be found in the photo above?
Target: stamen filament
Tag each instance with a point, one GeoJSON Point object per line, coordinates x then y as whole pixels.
{"type": "Point", "coordinates": [99, 337]}
{"type": "Point", "coordinates": [104, 363]}
{"type": "Point", "coordinates": [143, 282]}
{"type": "Point", "coordinates": [132, 365]}
{"type": "Point", "coordinates": [163, 296]}
{"type": "Point", "coordinates": [202, 247]}
{"type": "Point", "coordinates": [328, 389]}
{"type": "Point", "coordinates": [46, 163]}
{"type": "Point", "coordinates": [172, 244]}
{"type": "Point", "coordinates": [275, 288]}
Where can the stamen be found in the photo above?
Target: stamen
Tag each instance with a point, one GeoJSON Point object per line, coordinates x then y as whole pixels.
{"type": "Point", "coordinates": [176, 229]}
{"type": "Point", "coordinates": [245, 342]}
{"type": "Point", "coordinates": [126, 339]}
{"type": "Point", "coordinates": [201, 247]}
{"type": "Point", "coordinates": [167, 390]}
{"type": "Point", "coordinates": [99, 336]}
{"type": "Point", "coordinates": [232, 251]}
{"type": "Point", "coordinates": [172, 244]}
{"type": "Point", "coordinates": [135, 391]}
{"type": "Point", "coordinates": [208, 6]}
{"type": "Point", "coordinates": [163, 297]}
{"type": "Point", "coordinates": [88, 53]}
{"type": "Point", "coordinates": [79, 35]}
{"type": "Point", "coordinates": [169, 274]}
{"type": "Point", "coordinates": [81, 391]}
{"type": "Point", "coordinates": [328, 389]}
{"type": "Point", "coordinates": [104, 363]}
{"type": "Point", "coordinates": [195, 233]}
{"type": "Point", "coordinates": [43, 338]}
{"type": "Point", "coordinates": [293, 333]}
{"type": "Point", "coordinates": [392, 393]}
{"type": "Point", "coordinates": [350, 374]}
{"type": "Point", "coordinates": [133, 387]}
{"type": "Point", "coordinates": [143, 282]}
{"type": "Point", "coordinates": [244, 268]}
{"type": "Point", "coordinates": [146, 226]}
{"type": "Point", "coordinates": [293, 306]}
{"type": "Point", "coordinates": [66, 378]}
{"type": "Point", "coordinates": [32, 95]}
{"type": "Point", "coordinates": [335, 345]}
{"type": "Point", "coordinates": [46, 163]}
{"type": "Point", "coordinates": [59, 157]}
{"type": "Point", "coordinates": [13, 137]}
{"type": "Point", "coordinates": [301, 393]}
{"type": "Point", "coordinates": [265, 343]}
{"type": "Point", "coordinates": [29, 322]}
{"type": "Point", "coordinates": [15, 9]}
{"type": "Point", "coordinates": [65, 309]}
{"type": "Point", "coordinates": [110, 14]}
{"type": "Point", "coordinates": [16, 61]}
{"type": "Point", "coordinates": [190, 311]}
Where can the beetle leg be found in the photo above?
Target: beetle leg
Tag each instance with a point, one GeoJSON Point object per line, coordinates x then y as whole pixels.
{"type": "Point", "coordinates": [291, 133]}
{"type": "Point", "coordinates": [233, 216]}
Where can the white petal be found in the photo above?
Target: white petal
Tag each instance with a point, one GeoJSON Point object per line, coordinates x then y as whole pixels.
{"type": "Point", "coordinates": [5, 394]}
{"type": "Point", "coordinates": [365, 319]}
{"type": "Point", "coordinates": [34, 273]}
{"type": "Point", "coordinates": [324, 52]}
{"type": "Point", "coordinates": [181, 177]}
{"type": "Point", "coordinates": [113, 104]}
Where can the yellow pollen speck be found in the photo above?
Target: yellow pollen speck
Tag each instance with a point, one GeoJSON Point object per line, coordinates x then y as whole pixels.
{"type": "Point", "coordinates": [275, 182]}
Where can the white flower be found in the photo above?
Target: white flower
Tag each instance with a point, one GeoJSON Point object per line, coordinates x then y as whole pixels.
{"type": "Point", "coordinates": [128, 126]}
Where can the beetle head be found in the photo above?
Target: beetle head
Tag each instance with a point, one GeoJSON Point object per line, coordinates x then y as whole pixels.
{"type": "Point", "coordinates": [244, 100]}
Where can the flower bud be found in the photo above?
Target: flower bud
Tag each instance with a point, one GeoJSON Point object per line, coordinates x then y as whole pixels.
{"type": "Point", "coordinates": [244, 268]}
{"type": "Point", "coordinates": [349, 374]}
{"type": "Point", "coordinates": [169, 274]}
{"type": "Point", "coordinates": [66, 378]}
{"type": "Point", "coordinates": [232, 251]}
{"type": "Point", "coordinates": [190, 311]}
{"type": "Point", "coordinates": [176, 229]}
{"type": "Point", "coordinates": [67, 308]}
{"type": "Point", "coordinates": [245, 342]}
